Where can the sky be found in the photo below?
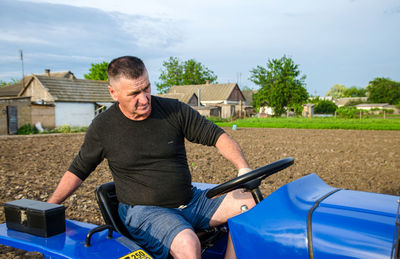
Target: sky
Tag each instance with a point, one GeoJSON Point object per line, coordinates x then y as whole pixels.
{"type": "Point", "coordinates": [348, 42]}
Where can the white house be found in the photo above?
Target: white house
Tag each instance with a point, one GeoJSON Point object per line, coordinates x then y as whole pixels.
{"type": "Point", "coordinates": [58, 101]}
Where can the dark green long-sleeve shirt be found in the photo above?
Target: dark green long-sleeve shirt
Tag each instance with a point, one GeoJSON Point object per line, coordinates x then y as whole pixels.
{"type": "Point", "coordinates": [147, 158]}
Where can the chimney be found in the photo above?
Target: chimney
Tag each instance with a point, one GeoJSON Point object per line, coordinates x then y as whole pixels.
{"type": "Point", "coordinates": [207, 82]}
{"type": "Point", "coordinates": [47, 71]}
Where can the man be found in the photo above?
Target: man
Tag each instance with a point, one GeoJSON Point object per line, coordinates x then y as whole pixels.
{"type": "Point", "coordinates": [142, 137]}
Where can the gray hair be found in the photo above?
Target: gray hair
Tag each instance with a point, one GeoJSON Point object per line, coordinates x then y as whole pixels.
{"type": "Point", "coordinates": [127, 66]}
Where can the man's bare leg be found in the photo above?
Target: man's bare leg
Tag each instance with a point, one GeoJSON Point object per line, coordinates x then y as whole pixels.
{"type": "Point", "coordinates": [186, 245]}
{"type": "Point", "coordinates": [231, 206]}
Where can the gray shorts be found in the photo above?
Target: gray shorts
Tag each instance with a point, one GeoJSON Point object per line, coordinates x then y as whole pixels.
{"type": "Point", "coordinates": [154, 227]}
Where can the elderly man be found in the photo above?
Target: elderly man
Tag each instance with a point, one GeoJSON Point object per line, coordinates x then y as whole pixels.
{"type": "Point", "coordinates": [142, 137]}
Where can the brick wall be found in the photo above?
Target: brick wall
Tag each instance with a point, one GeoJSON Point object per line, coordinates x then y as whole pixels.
{"type": "Point", "coordinates": [23, 112]}
{"type": "Point", "coordinates": [45, 114]}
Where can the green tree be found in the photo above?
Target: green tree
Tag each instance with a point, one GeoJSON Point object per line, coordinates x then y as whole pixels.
{"type": "Point", "coordinates": [189, 72]}
{"type": "Point", "coordinates": [2, 83]}
{"type": "Point", "coordinates": [383, 90]}
{"type": "Point", "coordinates": [11, 82]}
{"type": "Point", "coordinates": [246, 88]}
{"type": "Point", "coordinates": [325, 107]}
{"type": "Point", "coordinates": [97, 71]}
{"type": "Point", "coordinates": [337, 91]}
{"type": "Point", "coordinates": [280, 85]}
{"type": "Point", "coordinates": [355, 92]}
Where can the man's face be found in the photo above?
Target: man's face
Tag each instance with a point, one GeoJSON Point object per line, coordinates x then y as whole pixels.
{"type": "Point", "coordinates": [133, 95]}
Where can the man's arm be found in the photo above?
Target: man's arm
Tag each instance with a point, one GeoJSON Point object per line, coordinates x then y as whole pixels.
{"type": "Point", "coordinates": [67, 185]}
{"type": "Point", "coordinates": [231, 151]}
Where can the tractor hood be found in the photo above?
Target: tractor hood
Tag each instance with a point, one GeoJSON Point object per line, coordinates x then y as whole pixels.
{"type": "Point", "coordinates": [308, 218]}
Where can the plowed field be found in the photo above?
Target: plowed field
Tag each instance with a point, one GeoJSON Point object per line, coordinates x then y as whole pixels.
{"type": "Point", "coordinates": [31, 166]}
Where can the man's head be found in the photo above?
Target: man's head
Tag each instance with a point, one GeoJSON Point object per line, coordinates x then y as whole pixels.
{"type": "Point", "coordinates": [128, 66]}
{"type": "Point", "coordinates": [129, 85]}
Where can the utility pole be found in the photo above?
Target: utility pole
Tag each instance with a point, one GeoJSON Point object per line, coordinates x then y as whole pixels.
{"type": "Point", "coordinates": [22, 61]}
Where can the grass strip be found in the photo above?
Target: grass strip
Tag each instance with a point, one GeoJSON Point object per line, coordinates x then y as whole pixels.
{"type": "Point", "coordinates": [315, 123]}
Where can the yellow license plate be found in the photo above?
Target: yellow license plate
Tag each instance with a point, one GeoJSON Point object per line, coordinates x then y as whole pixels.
{"type": "Point", "coordinates": [138, 254]}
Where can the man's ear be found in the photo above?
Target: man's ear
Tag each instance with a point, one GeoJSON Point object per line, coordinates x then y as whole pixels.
{"type": "Point", "coordinates": [113, 93]}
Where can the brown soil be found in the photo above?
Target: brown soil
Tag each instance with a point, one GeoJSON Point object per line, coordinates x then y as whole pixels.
{"type": "Point", "coordinates": [31, 166]}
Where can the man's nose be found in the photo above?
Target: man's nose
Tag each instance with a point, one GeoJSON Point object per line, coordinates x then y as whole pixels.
{"type": "Point", "coordinates": [142, 98]}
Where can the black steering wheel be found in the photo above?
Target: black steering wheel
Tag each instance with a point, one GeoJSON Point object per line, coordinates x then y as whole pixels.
{"type": "Point", "coordinates": [251, 180]}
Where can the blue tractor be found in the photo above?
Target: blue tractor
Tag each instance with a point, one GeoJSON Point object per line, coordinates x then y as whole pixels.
{"type": "Point", "coordinates": [305, 218]}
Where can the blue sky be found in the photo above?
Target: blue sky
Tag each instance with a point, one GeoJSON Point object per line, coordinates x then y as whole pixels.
{"type": "Point", "coordinates": [348, 42]}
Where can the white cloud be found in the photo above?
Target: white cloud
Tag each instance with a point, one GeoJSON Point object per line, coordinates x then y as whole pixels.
{"type": "Point", "coordinates": [17, 37]}
{"type": "Point", "coordinates": [148, 32]}
{"type": "Point", "coordinates": [151, 8]}
{"type": "Point", "coordinates": [10, 74]}
{"type": "Point", "coordinates": [59, 57]}
{"type": "Point", "coordinates": [339, 41]}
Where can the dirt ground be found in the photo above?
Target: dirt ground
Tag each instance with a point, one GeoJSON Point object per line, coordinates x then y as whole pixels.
{"type": "Point", "coordinates": [31, 166]}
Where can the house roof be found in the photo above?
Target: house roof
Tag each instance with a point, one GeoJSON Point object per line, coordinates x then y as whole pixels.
{"type": "Point", "coordinates": [373, 105]}
{"type": "Point", "coordinates": [13, 90]}
{"type": "Point", "coordinates": [343, 101]}
{"type": "Point", "coordinates": [183, 97]}
{"type": "Point", "coordinates": [10, 90]}
{"type": "Point", "coordinates": [215, 92]}
{"type": "Point", "coordinates": [65, 74]}
{"type": "Point", "coordinates": [75, 90]}
{"type": "Point", "coordinates": [248, 95]}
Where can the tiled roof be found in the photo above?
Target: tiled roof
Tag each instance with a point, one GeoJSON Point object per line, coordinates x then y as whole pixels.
{"type": "Point", "coordinates": [13, 90]}
{"type": "Point", "coordinates": [248, 95]}
{"type": "Point", "coordinates": [183, 97]}
{"type": "Point", "coordinates": [76, 90]}
{"type": "Point", "coordinates": [215, 92]}
{"type": "Point", "coordinates": [10, 90]}
{"type": "Point", "coordinates": [373, 105]}
{"type": "Point", "coordinates": [343, 101]}
{"type": "Point", "coordinates": [65, 74]}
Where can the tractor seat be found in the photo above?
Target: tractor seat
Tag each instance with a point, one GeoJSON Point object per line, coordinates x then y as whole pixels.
{"type": "Point", "coordinates": [108, 203]}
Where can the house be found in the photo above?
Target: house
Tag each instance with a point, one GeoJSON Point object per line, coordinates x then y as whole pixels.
{"type": "Point", "coordinates": [308, 110]}
{"type": "Point", "coordinates": [14, 89]}
{"type": "Point", "coordinates": [346, 100]}
{"type": "Point", "coordinates": [54, 99]}
{"type": "Point", "coordinates": [213, 94]}
{"type": "Point", "coordinates": [227, 96]}
{"type": "Point", "coordinates": [248, 95]}
{"type": "Point", "coordinates": [188, 98]}
{"type": "Point", "coordinates": [209, 111]}
{"type": "Point", "coordinates": [378, 106]}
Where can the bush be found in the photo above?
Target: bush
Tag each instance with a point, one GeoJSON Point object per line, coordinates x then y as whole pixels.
{"type": "Point", "coordinates": [388, 111]}
{"type": "Point", "coordinates": [68, 129]}
{"type": "Point", "coordinates": [381, 111]}
{"type": "Point", "coordinates": [348, 112]}
{"type": "Point", "coordinates": [63, 129]}
{"type": "Point", "coordinates": [217, 119]}
{"type": "Point", "coordinates": [325, 107]}
{"type": "Point", "coordinates": [27, 129]}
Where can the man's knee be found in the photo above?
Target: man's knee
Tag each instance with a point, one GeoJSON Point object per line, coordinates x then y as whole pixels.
{"type": "Point", "coordinates": [186, 245]}
{"type": "Point", "coordinates": [234, 203]}
{"type": "Point", "coordinates": [244, 198]}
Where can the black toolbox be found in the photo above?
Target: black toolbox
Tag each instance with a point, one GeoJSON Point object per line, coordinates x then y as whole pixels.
{"type": "Point", "coordinates": [35, 217]}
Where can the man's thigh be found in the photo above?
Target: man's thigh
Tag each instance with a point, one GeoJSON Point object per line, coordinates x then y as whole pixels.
{"type": "Point", "coordinates": [153, 227]}
{"type": "Point", "coordinates": [231, 206]}
{"type": "Point", "coordinates": [200, 209]}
